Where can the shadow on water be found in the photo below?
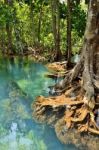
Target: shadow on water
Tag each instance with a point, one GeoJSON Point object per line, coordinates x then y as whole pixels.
{"type": "Point", "coordinates": [20, 82]}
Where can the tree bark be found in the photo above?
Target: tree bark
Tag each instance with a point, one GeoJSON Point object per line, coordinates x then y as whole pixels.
{"type": "Point", "coordinates": [69, 46]}
{"type": "Point", "coordinates": [89, 63]}
{"type": "Point", "coordinates": [58, 51]}
{"type": "Point", "coordinates": [32, 21]}
{"type": "Point", "coordinates": [9, 30]}
{"type": "Point", "coordinates": [78, 104]}
{"type": "Point", "coordinates": [39, 23]}
{"type": "Point", "coordinates": [91, 35]}
{"type": "Point", "coordinates": [53, 9]}
{"type": "Point", "coordinates": [3, 40]}
{"type": "Point", "coordinates": [56, 27]}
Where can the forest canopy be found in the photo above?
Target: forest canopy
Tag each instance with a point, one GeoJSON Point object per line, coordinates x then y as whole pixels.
{"type": "Point", "coordinates": [57, 31]}
{"type": "Point", "coordinates": [29, 23]}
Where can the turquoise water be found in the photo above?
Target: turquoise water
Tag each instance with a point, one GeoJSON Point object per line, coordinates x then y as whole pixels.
{"type": "Point", "coordinates": [21, 81]}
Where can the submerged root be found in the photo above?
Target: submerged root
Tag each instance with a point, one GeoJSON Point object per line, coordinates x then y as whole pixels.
{"type": "Point", "coordinates": [82, 141]}
{"type": "Point", "coordinates": [73, 120]}
{"type": "Point", "coordinates": [73, 111]}
{"type": "Point", "coordinates": [76, 109]}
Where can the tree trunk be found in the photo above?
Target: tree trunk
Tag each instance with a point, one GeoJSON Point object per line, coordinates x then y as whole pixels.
{"type": "Point", "coordinates": [78, 105]}
{"type": "Point", "coordinates": [9, 30]}
{"type": "Point", "coordinates": [69, 46]}
{"type": "Point", "coordinates": [2, 40]}
{"type": "Point", "coordinates": [89, 63]}
{"type": "Point", "coordinates": [39, 23]}
{"type": "Point", "coordinates": [9, 35]}
{"type": "Point", "coordinates": [32, 21]}
{"type": "Point", "coordinates": [58, 51]}
{"type": "Point", "coordinates": [53, 9]}
{"type": "Point", "coordinates": [56, 27]}
{"type": "Point", "coordinates": [91, 46]}
{"type": "Point", "coordinates": [86, 1]}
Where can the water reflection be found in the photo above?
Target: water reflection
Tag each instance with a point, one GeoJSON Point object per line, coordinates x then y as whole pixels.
{"type": "Point", "coordinates": [20, 82]}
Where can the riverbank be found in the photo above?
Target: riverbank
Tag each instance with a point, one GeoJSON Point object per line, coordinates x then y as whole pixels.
{"type": "Point", "coordinates": [73, 122]}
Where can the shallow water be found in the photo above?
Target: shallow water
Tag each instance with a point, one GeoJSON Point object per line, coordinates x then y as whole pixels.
{"type": "Point", "coordinates": [21, 81]}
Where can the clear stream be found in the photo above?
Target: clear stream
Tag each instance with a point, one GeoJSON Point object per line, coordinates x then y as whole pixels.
{"type": "Point", "coordinates": [21, 81]}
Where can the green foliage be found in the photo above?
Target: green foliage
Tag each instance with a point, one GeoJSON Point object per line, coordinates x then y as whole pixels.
{"type": "Point", "coordinates": [76, 42]}
{"type": "Point", "coordinates": [23, 19]}
{"type": "Point", "coordinates": [6, 14]}
{"type": "Point", "coordinates": [79, 20]}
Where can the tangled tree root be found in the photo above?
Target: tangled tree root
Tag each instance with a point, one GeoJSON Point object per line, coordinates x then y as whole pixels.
{"type": "Point", "coordinates": [75, 110]}
{"type": "Point", "coordinates": [72, 118]}
{"type": "Point", "coordinates": [57, 66]}
{"type": "Point", "coordinates": [74, 122]}
{"type": "Point", "coordinates": [81, 117]}
{"type": "Point", "coordinates": [72, 108]}
{"type": "Point", "coordinates": [55, 75]}
{"type": "Point", "coordinates": [82, 141]}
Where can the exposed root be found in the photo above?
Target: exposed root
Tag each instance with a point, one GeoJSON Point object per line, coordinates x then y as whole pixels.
{"type": "Point", "coordinates": [82, 141]}
{"type": "Point", "coordinates": [81, 113]}
{"type": "Point", "coordinates": [75, 106]}
{"type": "Point", "coordinates": [94, 131]}
{"type": "Point", "coordinates": [78, 108]}
{"type": "Point", "coordinates": [57, 66]}
{"type": "Point", "coordinates": [83, 128]}
{"type": "Point", "coordinates": [74, 112]}
{"type": "Point", "coordinates": [56, 75]}
{"type": "Point", "coordinates": [68, 118]}
{"type": "Point", "coordinates": [89, 102]}
{"type": "Point", "coordinates": [71, 116]}
{"type": "Point", "coordinates": [57, 101]}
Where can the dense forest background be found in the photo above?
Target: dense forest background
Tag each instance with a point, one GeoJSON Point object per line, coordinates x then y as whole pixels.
{"type": "Point", "coordinates": [53, 27]}
{"type": "Point", "coordinates": [54, 32]}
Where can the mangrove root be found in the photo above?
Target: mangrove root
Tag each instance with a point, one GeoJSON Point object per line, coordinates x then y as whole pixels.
{"type": "Point", "coordinates": [57, 66]}
{"type": "Point", "coordinates": [74, 112]}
